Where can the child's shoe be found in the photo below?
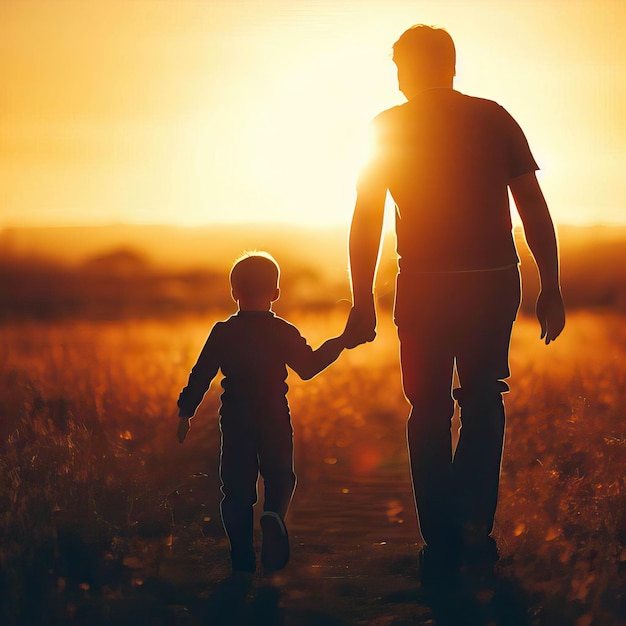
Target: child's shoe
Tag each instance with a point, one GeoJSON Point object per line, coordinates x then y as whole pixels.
{"type": "Point", "coordinates": [274, 543]}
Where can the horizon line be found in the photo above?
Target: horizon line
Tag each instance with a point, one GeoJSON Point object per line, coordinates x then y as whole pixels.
{"type": "Point", "coordinates": [253, 224]}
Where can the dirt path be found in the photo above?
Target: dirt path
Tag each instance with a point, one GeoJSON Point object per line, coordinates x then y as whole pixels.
{"type": "Point", "coordinates": [354, 561]}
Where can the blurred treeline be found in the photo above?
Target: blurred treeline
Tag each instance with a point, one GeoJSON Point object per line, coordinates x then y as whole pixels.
{"type": "Point", "coordinates": [127, 279]}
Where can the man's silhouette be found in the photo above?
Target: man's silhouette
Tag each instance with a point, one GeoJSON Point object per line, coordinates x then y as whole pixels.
{"type": "Point", "coordinates": [448, 161]}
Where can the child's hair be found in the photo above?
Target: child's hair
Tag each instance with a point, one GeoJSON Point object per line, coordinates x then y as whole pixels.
{"type": "Point", "coordinates": [255, 274]}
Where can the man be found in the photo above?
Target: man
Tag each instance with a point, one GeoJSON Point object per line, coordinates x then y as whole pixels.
{"type": "Point", "coordinates": [448, 161]}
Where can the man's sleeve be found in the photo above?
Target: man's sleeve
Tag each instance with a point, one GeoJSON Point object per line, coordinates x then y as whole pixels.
{"type": "Point", "coordinates": [520, 158]}
{"type": "Point", "coordinates": [375, 165]}
{"type": "Point", "coordinates": [202, 373]}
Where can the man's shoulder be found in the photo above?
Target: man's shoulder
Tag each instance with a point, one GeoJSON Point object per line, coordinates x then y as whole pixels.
{"type": "Point", "coordinates": [483, 103]}
{"type": "Point", "coordinates": [389, 114]}
{"type": "Point", "coordinates": [389, 122]}
{"type": "Point", "coordinates": [455, 99]}
{"type": "Point", "coordinates": [478, 100]}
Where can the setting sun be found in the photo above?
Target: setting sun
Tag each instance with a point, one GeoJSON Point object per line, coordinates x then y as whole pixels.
{"type": "Point", "coordinates": [191, 113]}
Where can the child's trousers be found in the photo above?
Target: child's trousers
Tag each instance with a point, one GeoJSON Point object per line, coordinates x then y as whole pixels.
{"type": "Point", "coordinates": [265, 449]}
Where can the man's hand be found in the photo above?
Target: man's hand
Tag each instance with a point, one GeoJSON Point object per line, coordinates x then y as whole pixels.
{"type": "Point", "coordinates": [361, 325]}
{"type": "Point", "coordinates": [551, 314]}
{"type": "Point", "coordinates": [541, 238]}
{"type": "Point", "coordinates": [183, 428]}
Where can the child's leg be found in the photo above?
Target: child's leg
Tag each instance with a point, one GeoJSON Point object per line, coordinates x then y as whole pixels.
{"type": "Point", "coordinates": [276, 468]}
{"type": "Point", "coordinates": [239, 474]}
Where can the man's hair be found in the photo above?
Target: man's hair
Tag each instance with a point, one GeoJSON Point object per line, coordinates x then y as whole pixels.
{"type": "Point", "coordinates": [427, 49]}
{"type": "Point", "coordinates": [255, 274]}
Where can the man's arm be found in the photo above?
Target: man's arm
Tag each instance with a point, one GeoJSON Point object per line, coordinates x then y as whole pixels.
{"type": "Point", "coordinates": [364, 248]}
{"type": "Point", "coordinates": [540, 236]}
{"type": "Point", "coordinates": [183, 428]}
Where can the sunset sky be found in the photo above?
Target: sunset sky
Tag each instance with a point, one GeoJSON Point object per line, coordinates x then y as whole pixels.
{"type": "Point", "coordinates": [197, 111]}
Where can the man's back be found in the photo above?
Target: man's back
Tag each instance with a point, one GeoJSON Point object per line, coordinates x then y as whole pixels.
{"type": "Point", "coordinates": [447, 159]}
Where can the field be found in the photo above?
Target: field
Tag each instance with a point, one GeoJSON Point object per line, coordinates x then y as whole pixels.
{"type": "Point", "coordinates": [106, 519]}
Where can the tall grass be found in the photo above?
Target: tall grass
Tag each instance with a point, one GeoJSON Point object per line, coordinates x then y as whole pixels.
{"type": "Point", "coordinates": [90, 469]}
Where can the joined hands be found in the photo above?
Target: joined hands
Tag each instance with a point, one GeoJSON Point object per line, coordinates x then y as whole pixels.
{"type": "Point", "coordinates": [361, 326]}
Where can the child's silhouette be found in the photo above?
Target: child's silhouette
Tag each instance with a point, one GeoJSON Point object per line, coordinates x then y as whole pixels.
{"type": "Point", "coordinates": [252, 349]}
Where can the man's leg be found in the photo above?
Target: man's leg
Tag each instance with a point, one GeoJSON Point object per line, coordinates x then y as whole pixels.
{"type": "Point", "coordinates": [427, 381]}
{"type": "Point", "coordinates": [478, 456]}
{"type": "Point", "coordinates": [239, 474]}
{"type": "Point", "coordinates": [482, 365]}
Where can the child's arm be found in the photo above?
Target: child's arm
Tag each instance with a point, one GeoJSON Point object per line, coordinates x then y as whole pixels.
{"type": "Point", "coordinates": [314, 361]}
{"type": "Point", "coordinates": [200, 378]}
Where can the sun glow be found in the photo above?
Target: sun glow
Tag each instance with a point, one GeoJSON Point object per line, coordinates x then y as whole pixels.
{"type": "Point", "coordinates": [301, 147]}
{"type": "Point", "coordinates": [190, 113]}
{"type": "Point", "coordinates": [291, 151]}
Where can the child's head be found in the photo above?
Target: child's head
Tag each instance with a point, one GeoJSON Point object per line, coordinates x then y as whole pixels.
{"type": "Point", "coordinates": [254, 277]}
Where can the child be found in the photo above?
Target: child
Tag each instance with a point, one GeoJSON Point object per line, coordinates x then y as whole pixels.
{"type": "Point", "coordinates": [252, 349]}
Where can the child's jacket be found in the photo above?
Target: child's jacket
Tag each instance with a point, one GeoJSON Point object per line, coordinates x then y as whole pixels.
{"type": "Point", "coordinates": [252, 349]}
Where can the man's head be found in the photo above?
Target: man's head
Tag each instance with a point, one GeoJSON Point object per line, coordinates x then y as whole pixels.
{"type": "Point", "coordinates": [254, 276]}
{"type": "Point", "coordinates": [425, 57]}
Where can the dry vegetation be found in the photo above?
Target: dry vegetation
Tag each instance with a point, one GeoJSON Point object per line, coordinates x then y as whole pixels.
{"type": "Point", "coordinates": [106, 519]}
{"type": "Point", "coordinates": [150, 272]}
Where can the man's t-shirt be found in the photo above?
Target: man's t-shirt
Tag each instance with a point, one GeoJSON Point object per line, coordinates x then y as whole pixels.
{"type": "Point", "coordinates": [447, 159]}
{"type": "Point", "coordinates": [252, 349]}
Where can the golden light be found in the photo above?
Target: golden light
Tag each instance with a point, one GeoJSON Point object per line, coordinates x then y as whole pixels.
{"type": "Point", "coordinates": [304, 142]}
{"type": "Point", "coordinates": [193, 112]}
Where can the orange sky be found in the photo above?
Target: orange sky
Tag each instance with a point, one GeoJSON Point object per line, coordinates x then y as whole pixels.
{"type": "Point", "coordinates": [196, 111]}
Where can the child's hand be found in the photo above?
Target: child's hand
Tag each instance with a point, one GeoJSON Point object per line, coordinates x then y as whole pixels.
{"type": "Point", "coordinates": [183, 428]}
{"type": "Point", "coordinates": [361, 325]}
